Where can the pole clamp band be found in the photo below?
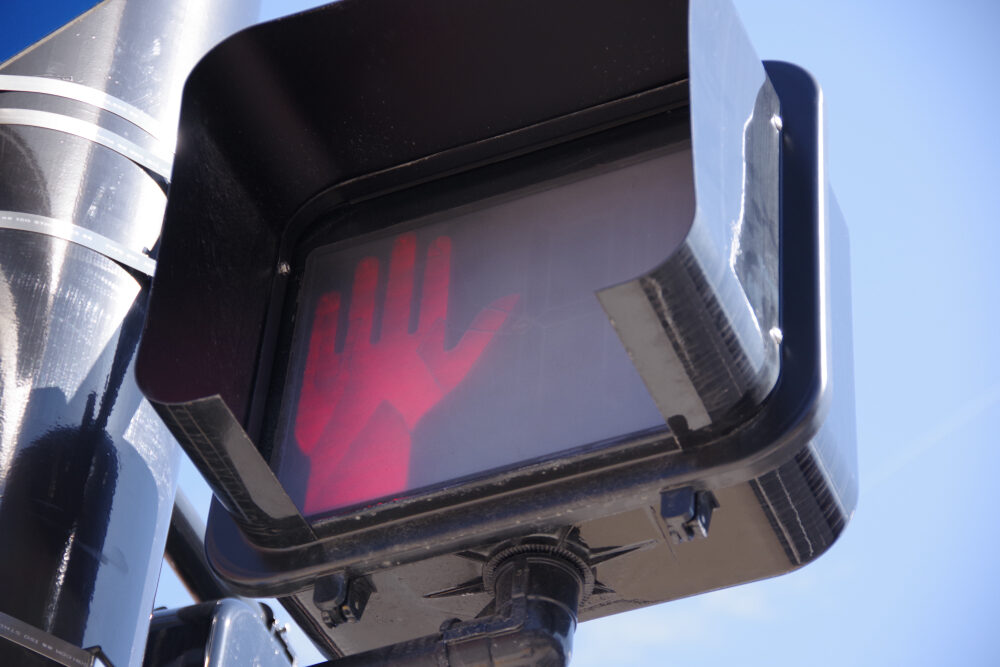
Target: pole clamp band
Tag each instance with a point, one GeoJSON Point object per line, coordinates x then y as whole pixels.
{"type": "Point", "coordinates": [157, 163]}
{"type": "Point", "coordinates": [68, 231]}
{"type": "Point", "coordinates": [92, 96]}
{"type": "Point", "coordinates": [48, 645]}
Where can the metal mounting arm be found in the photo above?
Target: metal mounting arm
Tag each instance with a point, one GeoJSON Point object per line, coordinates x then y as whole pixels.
{"type": "Point", "coordinates": [536, 595]}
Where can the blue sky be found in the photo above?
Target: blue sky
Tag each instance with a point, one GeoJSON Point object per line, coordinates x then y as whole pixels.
{"type": "Point", "coordinates": [913, 150]}
{"type": "Point", "coordinates": [24, 22]}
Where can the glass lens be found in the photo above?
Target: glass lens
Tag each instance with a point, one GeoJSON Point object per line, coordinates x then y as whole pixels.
{"type": "Point", "coordinates": [472, 340]}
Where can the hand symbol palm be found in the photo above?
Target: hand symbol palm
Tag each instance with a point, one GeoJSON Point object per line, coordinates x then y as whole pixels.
{"type": "Point", "coordinates": [358, 407]}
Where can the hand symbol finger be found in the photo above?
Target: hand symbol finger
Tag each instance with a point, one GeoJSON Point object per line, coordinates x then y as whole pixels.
{"type": "Point", "coordinates": [321, 362]}
{"type": "Point", "coordinates": [399, 290]}
{"type": "Point", "coordinates": [320, 375]}
{"type": "Point", "coordinates": [437, 275]}
{"type": "Point", "coordinates": [451, 366]}
{"type": "Point", "coordinates": [362, 310]}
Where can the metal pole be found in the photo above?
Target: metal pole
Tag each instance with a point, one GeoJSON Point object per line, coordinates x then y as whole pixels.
{"type": "Point", "coordinates": [87, 471]}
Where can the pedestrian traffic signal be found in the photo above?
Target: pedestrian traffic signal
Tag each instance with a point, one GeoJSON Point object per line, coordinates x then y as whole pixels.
{"type": "Point", "coordinates": [444, 284]}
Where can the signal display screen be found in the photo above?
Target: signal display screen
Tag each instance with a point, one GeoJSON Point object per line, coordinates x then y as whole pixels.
{"type": "Point", "coordinates": [472, 340]}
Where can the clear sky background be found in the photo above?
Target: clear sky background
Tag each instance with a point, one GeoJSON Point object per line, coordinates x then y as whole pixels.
{"type": "Point", "coordinates": [914, 153]}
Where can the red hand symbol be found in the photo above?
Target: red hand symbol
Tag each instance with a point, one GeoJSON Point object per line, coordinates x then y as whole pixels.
{"type": "Point", "coordinates": [358, 407]}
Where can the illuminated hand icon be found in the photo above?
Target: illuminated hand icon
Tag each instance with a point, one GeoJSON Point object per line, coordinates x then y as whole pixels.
{"type": "Point", "coordinates": [358, 407]}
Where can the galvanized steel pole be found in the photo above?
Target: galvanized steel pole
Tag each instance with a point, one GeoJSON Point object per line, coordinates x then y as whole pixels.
{"type": "Point", "coordinates": [87, 470]}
